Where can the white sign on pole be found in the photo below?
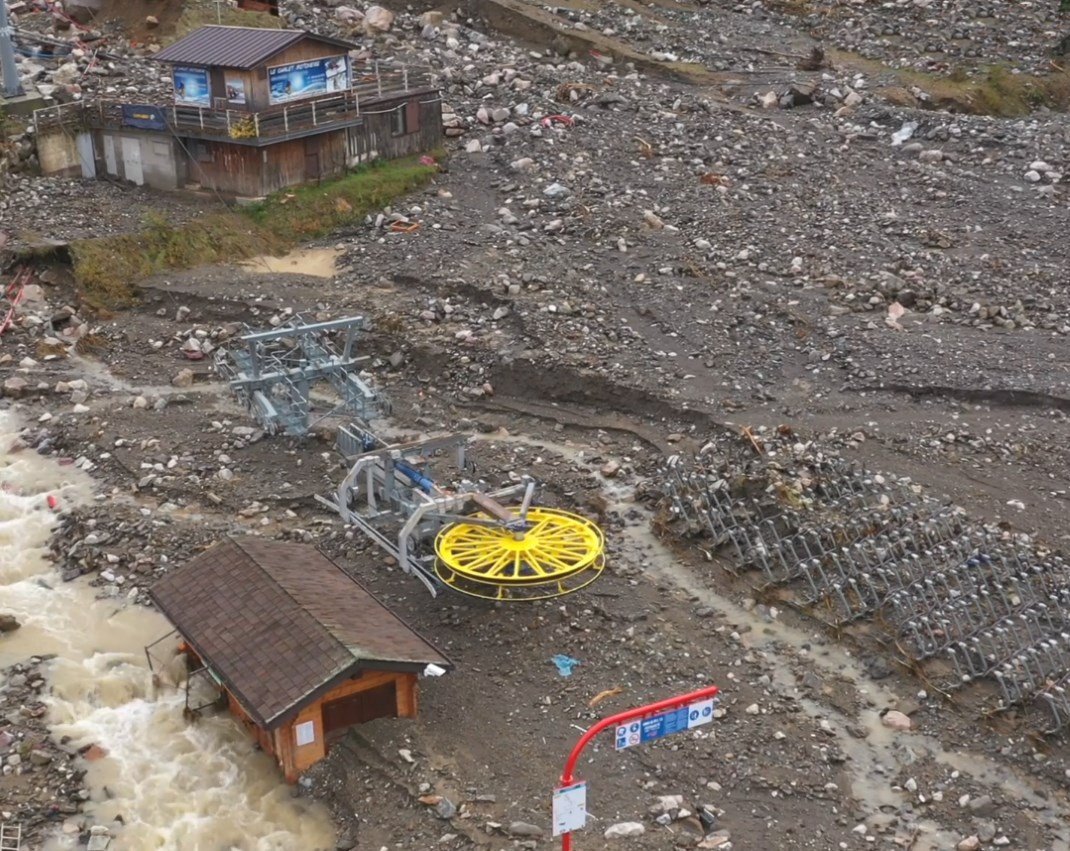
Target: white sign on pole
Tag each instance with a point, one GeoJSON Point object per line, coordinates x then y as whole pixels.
{"type": "Point", "coordinates": [570, 808]}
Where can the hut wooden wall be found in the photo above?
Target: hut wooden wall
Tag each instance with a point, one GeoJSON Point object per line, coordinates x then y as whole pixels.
{"type": "Point", "coordinates": [249, 172]}
{"type": "Point", "coordinates": [307, 160]}
{"type": "Point", "coordinates": [378, 136]}
{"type": "Point", "coordinates": [229, 169]}
{"type": "Point", "coordinates": [295, 759]}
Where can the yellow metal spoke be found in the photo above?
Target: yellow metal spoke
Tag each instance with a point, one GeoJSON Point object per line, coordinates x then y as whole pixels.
{"type": "Point", "coordinates": [559, 553]}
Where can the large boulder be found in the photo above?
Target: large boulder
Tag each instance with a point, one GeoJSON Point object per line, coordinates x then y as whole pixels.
{"type": "Point", "coordinates": [378, 19]}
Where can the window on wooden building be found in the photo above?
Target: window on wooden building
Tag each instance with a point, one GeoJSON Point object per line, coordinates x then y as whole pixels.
{"type": "Point", "coordinates": [399, 121]}
{"type": "Point", "coordinates": [202, 152]}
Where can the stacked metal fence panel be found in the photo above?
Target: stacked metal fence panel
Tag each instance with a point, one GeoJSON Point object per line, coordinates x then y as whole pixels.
{"type": "Point", "coordinates": [851, 544]}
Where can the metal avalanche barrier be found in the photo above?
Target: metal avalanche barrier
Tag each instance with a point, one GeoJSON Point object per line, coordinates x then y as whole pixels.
{"type": "Point", "coordinates": [851, 544]}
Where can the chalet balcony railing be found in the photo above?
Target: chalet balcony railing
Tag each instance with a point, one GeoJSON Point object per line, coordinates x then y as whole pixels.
{"type": "Point", "coordinates": [341, 108]}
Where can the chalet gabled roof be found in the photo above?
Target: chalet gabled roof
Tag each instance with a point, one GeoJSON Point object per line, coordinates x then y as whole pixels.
{"type": "Point", "coordinates": [280, 623]}
{"type": "Point", "coordinates": [237, 47]}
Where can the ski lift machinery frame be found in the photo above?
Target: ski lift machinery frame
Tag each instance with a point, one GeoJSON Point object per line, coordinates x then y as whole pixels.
{"type": "Point", "coordinates": [494, 544]}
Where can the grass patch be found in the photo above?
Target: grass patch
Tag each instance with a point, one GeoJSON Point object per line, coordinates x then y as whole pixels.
{"type": "Point", "coordinates": [308, 212]}
{"type": "Point", "coordinates": [202, 13]}
{"type": "Point", "coordinates": [108, 270]}
{"type": "Point", "coordinates": [988, 90]}
{"type": "Point", "coordinates": [995, 91]}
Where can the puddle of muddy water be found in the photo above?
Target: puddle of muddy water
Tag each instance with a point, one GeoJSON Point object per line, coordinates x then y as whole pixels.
{"type": "Point", "coordinates": [315, 262]}
{"type": "Point", "coordinates": [174, 784]}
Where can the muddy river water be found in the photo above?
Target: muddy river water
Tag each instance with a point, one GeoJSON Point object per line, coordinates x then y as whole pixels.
{"type": "Point", "coordinates": [175, 785]}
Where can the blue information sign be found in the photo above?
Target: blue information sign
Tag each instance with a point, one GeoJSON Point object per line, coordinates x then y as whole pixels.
{"type": "Point", "coordinates": [145, 117]}
{"type": "Point", "coordinates": [663, 724]}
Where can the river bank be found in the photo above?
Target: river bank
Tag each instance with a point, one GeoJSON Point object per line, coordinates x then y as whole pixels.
{"type": "Point", "coordinates": [90, 743]}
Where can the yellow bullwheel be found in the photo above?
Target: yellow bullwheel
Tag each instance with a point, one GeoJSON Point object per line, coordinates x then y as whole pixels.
{"type": "Point", "coordinates": [550, 553]}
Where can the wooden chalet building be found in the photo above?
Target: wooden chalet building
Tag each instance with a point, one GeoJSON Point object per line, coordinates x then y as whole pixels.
{"type": "Point", "coordinates": [299, 650]}
{"type": "Point", "coordinates": [253, 111]}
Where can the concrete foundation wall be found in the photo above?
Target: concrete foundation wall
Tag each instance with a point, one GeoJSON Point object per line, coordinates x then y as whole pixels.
{"type": "Point", "coordinates": [143, 158]}
{"type": "Point", "coordinates": [57, 152]}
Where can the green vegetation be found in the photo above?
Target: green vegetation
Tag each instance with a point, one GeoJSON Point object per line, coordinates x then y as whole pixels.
{"type": "Point", "coordinates": [988, 90]}
{"type": "Point", "coordinates": [996, 91]}
{"type": "Point", "coordinates": [108, 270]}
{"type": "Point", "coordinates": [202, 13]}
{"type": "Point", "coordinates": [308, 212]}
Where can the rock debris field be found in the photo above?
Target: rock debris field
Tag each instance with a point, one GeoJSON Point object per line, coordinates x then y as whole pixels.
{"type": "Point", "coordinates": [676, 254]}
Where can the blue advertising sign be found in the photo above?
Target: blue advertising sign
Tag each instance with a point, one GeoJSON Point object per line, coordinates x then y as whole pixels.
{"type": "Point", "coordinates": [308, 79]}
{"type": "Point", "coordinates": [145, 117]}
{"type": "Point", "coordinates": [191, 86]}
{"type": "Point", "coordinates": [663, 724]}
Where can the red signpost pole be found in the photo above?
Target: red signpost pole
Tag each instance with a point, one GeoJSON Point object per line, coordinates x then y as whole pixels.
{"type": "Point", "coordinates": [567, 779]}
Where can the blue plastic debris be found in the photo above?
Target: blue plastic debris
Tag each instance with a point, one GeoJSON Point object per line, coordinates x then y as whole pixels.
{"type": "Point", "coordinates": [565, 664]}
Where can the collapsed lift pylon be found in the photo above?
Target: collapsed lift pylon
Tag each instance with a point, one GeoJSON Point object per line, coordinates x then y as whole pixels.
{"type": "Point", "coordinates": [459, 535]}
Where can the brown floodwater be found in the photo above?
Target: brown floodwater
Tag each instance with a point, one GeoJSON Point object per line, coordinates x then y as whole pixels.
{"type": "Point", "coordinates": [176, 785]}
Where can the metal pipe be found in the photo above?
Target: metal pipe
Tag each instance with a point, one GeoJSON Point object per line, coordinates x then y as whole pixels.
{"type": "Point", "coordinates": [567, 775]}
{"type": "Point", "coordinates": [12, 85]}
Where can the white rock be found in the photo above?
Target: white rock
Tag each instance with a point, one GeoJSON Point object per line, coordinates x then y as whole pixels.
{"type": "Point", "coordinates": [895, 720]}
{"type": "Point", "coordinates": [624, 830]}
{"type": "Point", "coordinates": [667, 804]}
{"type": "Point", "coordinates": [1032, 176]}
{"type": "Point", "coordinates": [970, 843]}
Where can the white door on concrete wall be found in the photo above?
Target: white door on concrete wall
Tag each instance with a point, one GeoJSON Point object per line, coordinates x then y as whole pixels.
{"type": "Point", "coordinates": [85, 155]}
{"type": "Point", "coordinates": [109, 156]}
{"type": "Point", "coordinates": [132, 160]}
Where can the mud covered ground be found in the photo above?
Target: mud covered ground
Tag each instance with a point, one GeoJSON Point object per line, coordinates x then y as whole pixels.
{"type": "Point", "coordinates": [589, 298]}
{"type": "Point", "coordinates": [800, 757]}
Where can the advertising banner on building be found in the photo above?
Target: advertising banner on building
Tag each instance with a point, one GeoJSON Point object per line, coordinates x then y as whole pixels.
{"type": "Point", "coordinates": [236, 92]}
{"type": "Point", "coordinates": [144, 117]}
{"type": "Point", "coordinates": [191, 86]}
{"type": "Point", "coordinates": [316, 77]}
